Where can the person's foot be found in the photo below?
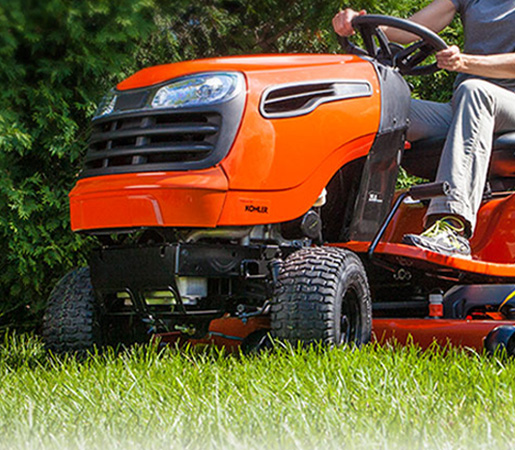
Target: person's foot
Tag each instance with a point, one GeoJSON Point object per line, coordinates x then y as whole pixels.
{"type": "Point", "coordinates": [445, 237]}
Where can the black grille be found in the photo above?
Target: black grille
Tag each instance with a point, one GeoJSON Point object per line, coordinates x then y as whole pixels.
{"type": "Point", "coordinates": [147, 141]}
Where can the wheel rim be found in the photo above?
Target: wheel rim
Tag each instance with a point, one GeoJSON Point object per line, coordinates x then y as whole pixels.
{"type": "Point", "coordinates": [350, 318]}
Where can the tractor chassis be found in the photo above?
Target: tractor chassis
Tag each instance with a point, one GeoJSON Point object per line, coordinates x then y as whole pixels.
{"type": "Point", "coordinates": [204, 282]}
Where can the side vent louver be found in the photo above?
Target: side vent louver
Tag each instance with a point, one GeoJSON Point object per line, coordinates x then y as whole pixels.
{"type": "Point", "coordinates": [290, 100]}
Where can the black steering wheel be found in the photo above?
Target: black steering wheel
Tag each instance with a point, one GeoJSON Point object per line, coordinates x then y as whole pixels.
{"type": "Point", "coordinates": [408, 60]}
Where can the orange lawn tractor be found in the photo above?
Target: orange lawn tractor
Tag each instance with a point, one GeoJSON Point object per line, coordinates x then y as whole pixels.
{"type": "Point", "coordinates": [246, 197]}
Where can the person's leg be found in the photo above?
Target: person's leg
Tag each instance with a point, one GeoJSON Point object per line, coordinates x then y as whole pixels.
{"type": "Point", "coordinates": [480, 109]}
{"type": "Point", "coordinates": [428, 119]}
{"type": "Point", "coordinates": [433, 120]}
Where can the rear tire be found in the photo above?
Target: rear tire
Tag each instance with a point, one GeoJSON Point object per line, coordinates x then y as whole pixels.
{"type": "Point", "coordinates": [322, 296]}
{"type": "Point", "coordinates": [72, 320]}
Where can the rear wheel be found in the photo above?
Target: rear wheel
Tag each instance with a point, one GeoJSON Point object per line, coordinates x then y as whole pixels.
{"type": "Point", "coordinates": [322, 295]}
{"type": "Point", "coordinates": [72, 318]}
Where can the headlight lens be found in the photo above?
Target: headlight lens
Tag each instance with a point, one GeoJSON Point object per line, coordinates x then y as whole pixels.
{"type": "Point", "coordinates": [198, 90]}
{"type": "Point", "coordinates": [106, 105]}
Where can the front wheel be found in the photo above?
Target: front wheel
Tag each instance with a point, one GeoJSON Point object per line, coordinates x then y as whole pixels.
{"type": "Point", "coordinates": [322, 296]}
{"type": "Point", "coordinates": [72, 318]}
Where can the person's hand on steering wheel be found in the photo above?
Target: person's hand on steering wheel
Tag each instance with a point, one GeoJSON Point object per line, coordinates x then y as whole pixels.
{"type": "Point", "coordinates": [371, 27]}
{"type": "Point", "coordinates": [342, 21]}
{"type": "Point", "coordinates": [450, 59]}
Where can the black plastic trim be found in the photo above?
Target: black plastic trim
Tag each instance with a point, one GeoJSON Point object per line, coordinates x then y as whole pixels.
{"type": "Point", "coordinates": [132, 151]}
{"type": "Point", "coordinates": [382, 165]}
{"type": "Point", "coordinates": [155, 267]}
{"type": "Point", "coordinates": [210, 132]}
{"type": "Point", "coordinates": [158, 130]}
{"type": "Point", "coordinates": [423, 157]}
{"type": "Point", "coordinates": [322, 91]}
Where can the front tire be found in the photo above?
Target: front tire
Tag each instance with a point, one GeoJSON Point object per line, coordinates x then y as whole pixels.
{"type": "Point", "coordinates": [72, 319]}
{"type": "Point", "coordinates": [322, 296]}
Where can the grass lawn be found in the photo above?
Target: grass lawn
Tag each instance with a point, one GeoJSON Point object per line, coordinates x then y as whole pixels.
{"type": "Point", "coordinates": [374, 398]}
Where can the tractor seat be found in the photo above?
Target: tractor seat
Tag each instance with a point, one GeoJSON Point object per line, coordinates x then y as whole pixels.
{"type": "Point", "coordinates": [423, 157]}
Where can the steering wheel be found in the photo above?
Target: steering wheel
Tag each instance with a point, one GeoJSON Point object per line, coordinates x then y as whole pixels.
{"type": "Point", "coordinates": [408, 60]}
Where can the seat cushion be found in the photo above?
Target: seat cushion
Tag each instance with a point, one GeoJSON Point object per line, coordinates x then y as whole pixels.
{"type": "Point", "coordinates": [423, 157]}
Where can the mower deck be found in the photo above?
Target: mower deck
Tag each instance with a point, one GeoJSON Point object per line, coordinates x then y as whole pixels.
{"type": "Point", "coordinates": [232, 333]}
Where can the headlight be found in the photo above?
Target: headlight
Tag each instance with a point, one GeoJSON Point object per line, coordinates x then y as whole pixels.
{"type": "Point", "coordinates": [106, 105]}
{"type": "Point", "coordinates": [198, 90]}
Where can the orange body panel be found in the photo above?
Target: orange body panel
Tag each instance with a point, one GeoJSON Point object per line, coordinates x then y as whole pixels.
{"type": "Point", "coordinates": [410, 256]}
{"type": "Point", "coordinates": [159, 74]}
{"type": "Point", "coordinates": [229, 332]}
{"type": "Point", "coordinates": [275, 170]}
{"type": "Point", "coordinates": [148, 199]}
{"type": "Point", "coordinates": [493, 243]}
{"type": "Point", "coordinates": [494, 237]}
{"type": "Point", "coordinates": [282, 205]}
{"type": "Point", "coordinates": [278, 154]}
{"type": "Point", "coordinates": [424, 332]}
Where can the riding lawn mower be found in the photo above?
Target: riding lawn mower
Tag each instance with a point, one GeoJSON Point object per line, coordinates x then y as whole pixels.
{"type": "Point", "coordinates": [240, 198]}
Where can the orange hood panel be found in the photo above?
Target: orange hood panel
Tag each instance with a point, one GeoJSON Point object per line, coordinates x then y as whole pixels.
{"type": "Point", "coordinates": [159, 74]}
{"type": "Point", "coordinates": [276, 167]}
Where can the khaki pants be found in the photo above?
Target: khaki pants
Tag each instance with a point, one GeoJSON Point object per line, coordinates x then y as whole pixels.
{"type": "Point", "coordinates": [478, 110]}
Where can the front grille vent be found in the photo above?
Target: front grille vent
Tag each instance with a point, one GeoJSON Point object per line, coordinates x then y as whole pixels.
{"type": "Point", "coordinates": [151, 141]}
{"type": "Point", "coordinates": [298, 99]}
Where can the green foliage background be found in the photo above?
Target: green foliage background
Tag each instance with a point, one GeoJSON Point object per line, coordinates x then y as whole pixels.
{"type": "Point", "coordinates": [57, 59]}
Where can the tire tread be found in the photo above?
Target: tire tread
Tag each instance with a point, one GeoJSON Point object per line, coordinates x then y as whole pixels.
{"type": "Point", "coordinates": [306, 296]}
{"type": "Point", "coordinates": [70, 323]}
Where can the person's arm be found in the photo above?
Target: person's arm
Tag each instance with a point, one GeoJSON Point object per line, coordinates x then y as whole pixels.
{"type": "Point", "coordinates": [492, 66]}
{"type": "Point", "coordinates": [435, 16]}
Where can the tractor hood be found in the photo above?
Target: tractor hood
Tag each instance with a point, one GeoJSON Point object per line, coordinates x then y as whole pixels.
{"type": "Point", "coordinates": [267, 148]}
{"type": "Point", "coordinates": [159, 74]}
